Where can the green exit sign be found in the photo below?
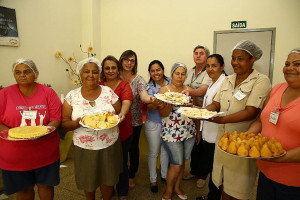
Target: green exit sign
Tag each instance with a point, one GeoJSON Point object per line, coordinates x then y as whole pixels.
{"type": "Point", "coordinates": [239, 24]}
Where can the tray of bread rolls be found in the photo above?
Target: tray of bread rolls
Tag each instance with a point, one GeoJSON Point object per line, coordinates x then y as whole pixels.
{"type": "Point", "coordinates": [100, 121]}
{"type": "Point", "coordinates": [250, 145]}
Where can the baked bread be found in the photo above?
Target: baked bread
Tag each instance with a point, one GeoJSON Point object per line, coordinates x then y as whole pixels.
{"type": "Point", "coordinates": [27, 132]}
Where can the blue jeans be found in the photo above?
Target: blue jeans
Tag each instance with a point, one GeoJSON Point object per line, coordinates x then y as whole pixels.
{"type": "Point", "coordinates": [179, 151]}
{"type": "Point", "coordinates": [152, 132]}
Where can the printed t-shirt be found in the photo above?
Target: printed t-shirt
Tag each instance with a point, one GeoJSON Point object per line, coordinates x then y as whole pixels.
{"type": "Point", "coordinates": [138, 84]}
{"type": "Point", "coordinates": [29, 154]}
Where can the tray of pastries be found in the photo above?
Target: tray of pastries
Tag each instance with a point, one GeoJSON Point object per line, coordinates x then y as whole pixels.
{"type": "Point", "coordinates": [198, 113]}
{"type": "Point", "coordinates": [100, 121]}
{"type": "Point", "coordinates": [26, 132]}
{"type": "Point", "coordinates": [174, 98]}
{"type": "Point", "coordinates": [250, 145]}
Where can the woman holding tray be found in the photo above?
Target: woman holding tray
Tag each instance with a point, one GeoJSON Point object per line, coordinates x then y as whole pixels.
{"type": "Point", "coordinates": [178, 133]}
{"type": "Point", "coordinates": [153, 125]}
{"type": "Point", "coordinates": [110, 77]}
{"type": "Point", "coordinates": [279, 177]}
{"type": "Point", "coordinates": [27, 163]}
{"type": "Point", "coordinates": [241, 97]}
{"type": "Point", "coordinates": [209, 130]}
{"type": "Point", "coordinates": [129, 63]}
{"type": "Point", "coordinates": [98, 154]}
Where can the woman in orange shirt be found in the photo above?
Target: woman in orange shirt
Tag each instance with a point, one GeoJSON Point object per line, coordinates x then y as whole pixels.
{"type": "Point", "coordinates": [279, 178]}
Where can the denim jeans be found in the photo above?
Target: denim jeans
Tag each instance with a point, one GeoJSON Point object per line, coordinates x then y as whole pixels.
{"type": "Point", "coordinates": [152, 132]}
{"type": "Point", "coordinates": [179, 151]}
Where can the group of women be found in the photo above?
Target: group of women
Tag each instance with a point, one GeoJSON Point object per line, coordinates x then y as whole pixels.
{"type": "Point", "coordinates": [101, 156]}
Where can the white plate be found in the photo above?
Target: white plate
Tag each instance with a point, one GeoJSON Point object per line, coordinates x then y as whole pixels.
{"type": "Point", "coordinates": [4, 135]}
{"type": "Point", "coordinates": [181, 110]}
{"type": "Point", "coordinates": [98, 129]}
{"type": "Point", "coordinates": [284, 152]}
{"type": "Point", "coordinates": [158, 96]}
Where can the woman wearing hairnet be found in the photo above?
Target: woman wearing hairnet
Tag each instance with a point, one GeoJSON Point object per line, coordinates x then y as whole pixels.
{"type": "Point", "coordinates": [241, 97]}
{"type": "Point", "coordinates": [98, 154]}
{"type": "Point", "coordinates": [178, 133]}
{"type": "Point", "coordinates": [27, 163]}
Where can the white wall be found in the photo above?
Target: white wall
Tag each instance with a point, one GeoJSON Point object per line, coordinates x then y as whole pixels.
{"type": "Point", "coordinates": [44, 27]}
{"type": "Point", "coordinates": [166, 30]}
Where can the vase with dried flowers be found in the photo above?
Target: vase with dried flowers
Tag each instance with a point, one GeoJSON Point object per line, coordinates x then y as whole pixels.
{"type": "Point", "coordinates": [72, 63]}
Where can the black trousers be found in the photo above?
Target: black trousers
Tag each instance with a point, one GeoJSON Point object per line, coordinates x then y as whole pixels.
{"type": "Point", "coordinates": [134, 151]}
{"type": "Point", "coordinates": [123, 184]}
{"type": "Point", "coordinates": [198, 164]}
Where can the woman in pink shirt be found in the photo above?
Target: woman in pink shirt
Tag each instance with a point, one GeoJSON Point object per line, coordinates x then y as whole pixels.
{"type": "Point", "coordinates": [279, 178]}
{"type": "Point", "coordinates": [27, 163]}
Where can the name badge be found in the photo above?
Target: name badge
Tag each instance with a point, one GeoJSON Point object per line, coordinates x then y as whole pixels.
{"type": "Point", "coordinates": [274, 117]}
{"type": "Point", "coordinates": [239, 95]}
{"type": "Point", "coordinates": [30, 114]}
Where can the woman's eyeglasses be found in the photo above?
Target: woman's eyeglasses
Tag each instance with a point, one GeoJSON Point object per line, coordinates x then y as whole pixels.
{"type": "Point", "coordinates": [127, 60]}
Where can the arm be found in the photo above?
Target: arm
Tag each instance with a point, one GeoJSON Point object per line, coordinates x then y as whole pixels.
{"type": "Point", "coordinates": [67, 123]}
{"type": "Point", "coordinates": [292, 155]}
{"type": "Point", "coordinates": [3, 127]}
{"type": "Point", "coordinates": [164, 109]}
{"type": "Point", "coordinates": [145, 97]}
{"type": "Point", "coordinates": [248, 113]}
{"type": "Point", "coordinates": [56, 124]}
{"type": "Point", "coordinates": [256, 126]}
{"type": "Point", "coordinates": [214, 106]}
{"type": "Point", "coordinates": [124, 109]}
{"type": "Point", "coordinates": [199, 92]}
{"type": "Point", "coordinates": [117, 106]}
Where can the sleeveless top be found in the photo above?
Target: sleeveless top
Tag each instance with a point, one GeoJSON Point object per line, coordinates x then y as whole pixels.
{"type": "Point", "coordinates": [177, 127]}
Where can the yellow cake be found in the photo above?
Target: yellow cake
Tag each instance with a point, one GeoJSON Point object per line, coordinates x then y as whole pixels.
{"type": "Point", "coordinates": [28, 131]}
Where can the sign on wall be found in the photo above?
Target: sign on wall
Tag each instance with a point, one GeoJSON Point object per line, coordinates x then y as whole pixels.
{"type": "Point", "coordinates": [8, 27]}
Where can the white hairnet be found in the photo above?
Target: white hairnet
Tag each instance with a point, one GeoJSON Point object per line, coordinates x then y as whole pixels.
{"type": "Point", "coordinates": [176, 65]}
{"type": "Point", "coordinates": [88, 60]}
{"type": "Point", "coordinates": [27, 62]}
{"type": "Point", "coordinates": [296, 50]}
{"type": "Point", "coordinates": [250, 47]}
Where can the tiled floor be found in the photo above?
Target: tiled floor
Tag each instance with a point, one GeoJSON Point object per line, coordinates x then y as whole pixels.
{"type": "Point", "coordinates": [67, 190]}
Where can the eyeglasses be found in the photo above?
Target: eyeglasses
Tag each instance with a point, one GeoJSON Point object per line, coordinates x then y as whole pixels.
{"type": "Point", "coordinates": [127, 60]}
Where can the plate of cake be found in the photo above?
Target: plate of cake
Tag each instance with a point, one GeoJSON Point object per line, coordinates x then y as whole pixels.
{"type": "Point", "coordinates": [26, 132]}
{"type": "Point", "coordinates": [100, 121]}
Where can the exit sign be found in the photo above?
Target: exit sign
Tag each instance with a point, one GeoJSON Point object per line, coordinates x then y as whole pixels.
{"type": "Point", "coordinates": [239, 24]}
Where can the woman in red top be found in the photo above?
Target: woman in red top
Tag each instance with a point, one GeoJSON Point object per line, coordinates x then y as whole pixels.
{"type": "Point", "coordinates": [280, 177]}
{"type": "Point", "coordinates": [27, 163]}
{"type": "Point", "coordinates": [110, 77]}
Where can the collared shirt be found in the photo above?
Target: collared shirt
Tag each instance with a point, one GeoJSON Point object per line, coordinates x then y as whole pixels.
{"type": "Point", "coordinates": [238, 175]}
{"type": "Point", "coordinates": [153, 115]}
{"type": "Point", "coordinates": [196, 80]}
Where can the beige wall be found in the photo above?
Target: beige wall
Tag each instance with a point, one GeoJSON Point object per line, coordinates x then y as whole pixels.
{"type": "Point", "coordinates": [166, 30]}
